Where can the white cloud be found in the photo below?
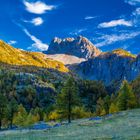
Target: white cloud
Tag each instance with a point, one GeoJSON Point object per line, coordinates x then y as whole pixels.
{"type": "Point", "coordinates": [12, 42]}
{"type": "Point", "coordinates": [111, 39]}
{"type": "Point", "coordinates": [114, 23]}
{"type": "Point", "coordinates": [37, 7]}
{"type": "Point", "coordinates": [89, 17]}
{"type": "Point", "coordinates": [35, 21]}
{"type": "Point", "coordinates": [38, 44]}
{"type": "Point", "coordinates": [133, 2]}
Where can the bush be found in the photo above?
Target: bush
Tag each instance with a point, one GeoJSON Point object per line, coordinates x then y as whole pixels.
{"type": "Point", "coordinates": [80, 112]}
{"type": "Point", "coordinates": [53, 116]}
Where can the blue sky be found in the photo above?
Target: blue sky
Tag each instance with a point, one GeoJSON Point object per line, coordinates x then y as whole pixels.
{"type": "Point", "coordinates": [109, 24]}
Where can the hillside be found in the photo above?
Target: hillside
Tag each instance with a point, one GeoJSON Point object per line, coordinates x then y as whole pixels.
{"type": "Point", "coordinates": [19, 57]}
{"type": "Point", "coordinates": [109, 67]}
{"type": "Point", "coordinates": [121, 126]}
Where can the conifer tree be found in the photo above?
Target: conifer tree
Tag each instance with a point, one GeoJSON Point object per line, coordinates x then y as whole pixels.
{"type": "Point", "coordinates": [100, 109]}
{"type": "Point", "coordinates": [126, 98]}
{"type": "Point", "coordinates": [29, 120]}
{"type": "Point", "coordinates": [20, 116]}
{"type": "Point", "coordinates": [3, 108]}
{"type": "Point", "coordinates": [12, 109]}
{"type": "Point", "coordinates": [68, 99]}
{"type": "Point", "coordinates": [107, 102]}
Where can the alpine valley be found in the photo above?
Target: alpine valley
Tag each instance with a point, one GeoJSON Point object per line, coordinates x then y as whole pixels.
{"type": "Point", "coordinates": [69, 70]}
{"type": "Point", "coordinates": [71, 80]}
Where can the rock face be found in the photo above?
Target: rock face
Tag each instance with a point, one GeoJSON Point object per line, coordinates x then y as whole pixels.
{"type": "Point", "coordinates": [110, 67]}
{"type": "Point", "coordinates": [79, 47]}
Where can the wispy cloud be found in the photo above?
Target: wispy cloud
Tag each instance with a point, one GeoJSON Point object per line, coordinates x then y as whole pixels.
{"type": "Point", "coordinates": [136, 12]}
{"type": "Point", "coordinates": [133, 2]}
{"type": "Point", "coordinates": [35, 21]}
{"type": "Point", "coordinates": [77, 31]}
{"type": "Point", "coordinates": [12, 42]}
{"type": "Point", "coordinates": [123, 35]}
{"type": "Point", "coordinates": [38, 44]}
{"type": "Point", "coordinates": [111, 39]}
{"type": "Point", "coordinates": [114, 23]}
{"type": "Point", "coordinates": [89, 17]}
{"type": "Point", "coordinates": [37, 7]}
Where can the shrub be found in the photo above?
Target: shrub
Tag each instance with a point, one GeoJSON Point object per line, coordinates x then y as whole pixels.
{"type": "Point", "coordinates": [53, 116]}
{"type": "Point", "coordinates": [80, 112]}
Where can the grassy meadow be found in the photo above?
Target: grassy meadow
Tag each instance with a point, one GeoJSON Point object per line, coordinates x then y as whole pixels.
{"type": "Point", "coordinates": [121, 126]}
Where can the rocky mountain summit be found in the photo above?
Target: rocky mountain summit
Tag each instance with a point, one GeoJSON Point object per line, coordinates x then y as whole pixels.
{"type": "Point", "coordinates": [80, 48]}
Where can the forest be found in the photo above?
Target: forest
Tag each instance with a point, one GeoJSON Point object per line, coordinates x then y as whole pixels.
{"type": "Point", "coordinates": [27, 98]}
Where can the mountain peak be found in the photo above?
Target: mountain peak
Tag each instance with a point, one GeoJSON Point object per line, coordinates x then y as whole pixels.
{"type": "Point", "coordinates": [56, 40]}
{"type": "Point", "coordinates": [81, 38]}
{"type": "Point", "coordinates": [80, 47]}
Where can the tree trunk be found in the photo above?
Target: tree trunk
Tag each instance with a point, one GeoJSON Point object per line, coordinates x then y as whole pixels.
{"type": "Point", "coordinates": [0, 124]}
{"type": "Point", "coordinates": [11, 124]}
{"type": "Point", "coordinates": [69, 114]}
{"type": "Point", "coordinates": [11, 119]}
{"type": "Point", "coordinates": [69, 109]}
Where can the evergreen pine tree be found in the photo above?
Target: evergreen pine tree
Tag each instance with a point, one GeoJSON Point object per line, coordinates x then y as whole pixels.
{"type": "Point", "coordinates": [100, 109]}
{"type": "Point", "coordinates": [12, 109]}
{"type": "Point", "coordinates": [126, 98]}
{"type": "Point", "coordinates": [20, 116]}
{"type": "Point", "coordinates": [67, 99]}
{"type": "Point", "coordinates": [3, 108]}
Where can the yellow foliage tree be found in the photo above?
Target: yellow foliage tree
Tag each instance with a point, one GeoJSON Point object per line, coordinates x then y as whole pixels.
{"type": "Point", "coordinates": [53, 116]}
{"type": "Point", "coordinates": [113, 108]}
{"type": "Point", "coordinates": [103, 112]}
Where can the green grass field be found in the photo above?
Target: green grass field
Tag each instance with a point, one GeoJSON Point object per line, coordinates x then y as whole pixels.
{"type": "Point", "coordinates": [122, 126]}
